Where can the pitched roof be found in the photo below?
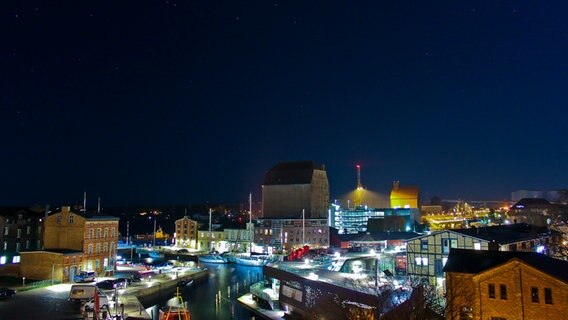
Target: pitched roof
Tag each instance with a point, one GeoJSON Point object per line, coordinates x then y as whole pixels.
{"type": "Point", "coordinates": [531, 202]}
{"type": "Point", "coordinates": [296, 172]}
{"type": "Point", "coordinates": [476, 261]}
{"type": "Point", "coordinates": [506, 233]}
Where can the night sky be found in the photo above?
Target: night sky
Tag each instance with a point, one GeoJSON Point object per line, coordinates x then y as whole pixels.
{"type": "Point", "coordinates": [165, 102]}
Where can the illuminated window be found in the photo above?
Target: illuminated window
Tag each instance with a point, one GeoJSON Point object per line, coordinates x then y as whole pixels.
{"type": "Point", "coordinates": [534, 294]}
{"type": "Point", "coordinates": [491, 289]}
{"type": "Point", "coordinates": [477, 246]}
{"type": "Point", "coordinates": [16, 259]}
{"type": "Point", "coordinates": [3, 260]}
{"type": "Point", "coordinates": [547, 295]}
{"type": "Point", "coordinates": [424, 261]}
{"type": "Point", "coordinates": [503, 290]}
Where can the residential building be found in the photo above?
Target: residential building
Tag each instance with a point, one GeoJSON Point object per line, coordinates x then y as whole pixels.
{"type": "Point", "coordinates": [291, 188]}
{"type": "Point", "coordinates": [288, 234]}
{"type": "Point", "coordinates": [240, 240]}
{"type": "Point", "coordinates": [95, 235]}
{"type": "Point", "coordinates": [427, 255]}
{"type": "Point", "coordinates": [499, 285]}
{"type": "Point", "coordinates": [20, 230]}
{"type": "Point", "coordinates": [186, 233]}
{"type": "Point", "coordinates": [211, 240]}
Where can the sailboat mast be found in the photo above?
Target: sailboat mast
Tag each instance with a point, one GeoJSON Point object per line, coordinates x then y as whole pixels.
{"type": "Point", "coordinates": [304, 227]}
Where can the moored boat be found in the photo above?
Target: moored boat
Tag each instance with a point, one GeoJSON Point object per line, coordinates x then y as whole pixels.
{"type": "Point", "coordinates": [175, 312]}
{"type": "Point", "coordinates": [212, 258]}
{"type": "Point", "coordinates": [252, 261]}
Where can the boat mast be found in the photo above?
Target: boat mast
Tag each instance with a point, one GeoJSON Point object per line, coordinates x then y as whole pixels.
{"type": "Point", "coordinates": [250, 223]}
{"type": "Point", "coordinates": [304, 227]}
{"type": "Point", "coordinates": [210, 242]}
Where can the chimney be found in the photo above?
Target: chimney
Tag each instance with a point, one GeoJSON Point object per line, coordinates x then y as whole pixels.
{"type": "Point", "coordinates": [65, 209]}
{"type": "Point", "coordinates": [395, 184]}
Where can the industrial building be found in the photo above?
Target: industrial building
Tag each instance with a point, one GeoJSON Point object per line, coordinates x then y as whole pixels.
{"type": "Point", "coordinates": [291, 188]}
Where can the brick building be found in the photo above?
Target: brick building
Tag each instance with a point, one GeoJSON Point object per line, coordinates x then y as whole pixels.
{"type": "Point", "coordinates": [94, 235]}
{"type": "Point", "coordinates": [20, 230]}
{"type": "Point", "coordinates": [186, 233]}
{"type": "Point", "coordinates": [428, 254]}
{"type": "Point", "coordinates": [500, 285]}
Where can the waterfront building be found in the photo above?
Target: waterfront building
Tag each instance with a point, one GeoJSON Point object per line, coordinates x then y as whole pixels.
{"type": "Point", "coordinates": [20, 230]}
{"type": "Point", "coordinates": [287, 234]}
{"type": "Point", "coordinates": [186, 233]}
{"type": "Point", "coordinates": [92, 234]}
{"type": "Point", "coordinates": [240, 240]}
{"type": "Point", "coordinates": [404, 196]}
{"type": "Point", "coordinates": [211, 240]}
{"type": "Point", "coordinates": [427, 254]}
{"type": "Point", "coordinates": [363, 219]}
{"type": "Point", "coordinates": [292, 187]}
{"type": "Point", "coordinates": [505, 285]}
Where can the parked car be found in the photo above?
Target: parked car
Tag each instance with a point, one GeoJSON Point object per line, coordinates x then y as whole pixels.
{"type": "Point", "coordinates": [128, 281]}
{"type": "Point", "coordinates": [86, 276]}
{"type": "Point", "coordinates": [7, 293]}
{"type": "Point", "coordinates": [136, 278]}
{"type": "Point", "coordinates": [110, 284]}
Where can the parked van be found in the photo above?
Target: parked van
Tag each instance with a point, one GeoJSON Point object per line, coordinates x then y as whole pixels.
{"type": "Point", "coordinates": [86, 276]}
{"type": "Point", "coordinates": [83, 292]}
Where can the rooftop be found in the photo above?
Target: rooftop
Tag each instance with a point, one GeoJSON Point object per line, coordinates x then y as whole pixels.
{"type": "Point", "coordinates": [296, 172]}
{"type": "Point", "coordinates": [506, 233]}
{"type": "Point", "coordinates": [476, 261]}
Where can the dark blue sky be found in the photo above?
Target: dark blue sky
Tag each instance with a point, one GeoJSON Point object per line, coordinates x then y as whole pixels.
{"type": "Point", "coordinates": [161, 102]}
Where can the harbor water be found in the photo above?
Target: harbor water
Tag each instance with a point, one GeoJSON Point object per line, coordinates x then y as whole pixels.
{"type": "Point", "coordinates": [214, 297]}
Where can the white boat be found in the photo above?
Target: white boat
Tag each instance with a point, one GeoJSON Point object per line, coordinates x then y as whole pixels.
{"type": "Point", "coordinates": [212, 258]}
{"type": "Point", "coordinates": [253, 261]}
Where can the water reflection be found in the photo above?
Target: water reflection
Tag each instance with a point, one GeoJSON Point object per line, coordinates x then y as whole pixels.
{"type": "Point", "coordinates": [215, 297]}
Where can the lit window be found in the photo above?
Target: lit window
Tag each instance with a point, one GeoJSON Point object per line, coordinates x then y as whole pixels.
{"type": "Point", "coordinates": [424, 261]}
{"type": "Point", "coordinates": [477, 246]}
{"type": "Point", "coordinates": [16, 259]}
{"type": "Point", "coordinates": [3, 260]}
